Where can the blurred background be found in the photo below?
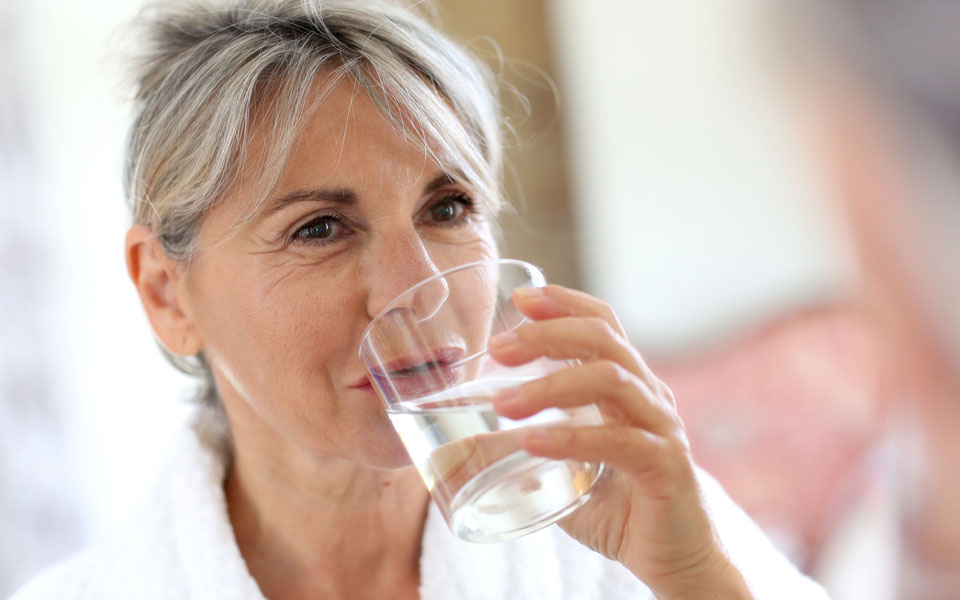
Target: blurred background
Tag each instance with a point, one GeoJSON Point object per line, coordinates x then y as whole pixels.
{"type": "Point", "coordinates": [765, 191]}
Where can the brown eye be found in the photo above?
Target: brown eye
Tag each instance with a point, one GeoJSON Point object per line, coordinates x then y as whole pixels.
{"type": "Point", "coordinates": [321, 229]}
{"type": "Point", "coordinates": [451, 210]}
{"type": "Point", "coordinates": [446, 210]}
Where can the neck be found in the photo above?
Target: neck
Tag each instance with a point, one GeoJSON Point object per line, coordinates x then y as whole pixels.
{"type": "Point", "coordinates": [311, 525]}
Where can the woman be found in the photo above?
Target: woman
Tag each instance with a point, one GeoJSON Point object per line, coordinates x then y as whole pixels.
{"type": "Point", "coordinates": [292, 168]}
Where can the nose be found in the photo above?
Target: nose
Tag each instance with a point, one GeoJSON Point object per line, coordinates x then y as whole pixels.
{"type": "Point", "coordinates": [399, 263]}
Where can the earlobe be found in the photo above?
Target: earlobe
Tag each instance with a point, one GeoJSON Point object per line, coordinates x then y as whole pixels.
{"type": "Point", "coordinates": [157, 279]}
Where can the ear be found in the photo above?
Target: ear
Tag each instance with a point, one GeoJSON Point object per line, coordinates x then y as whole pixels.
{"type": "Point", "coordinates": [157, 279]}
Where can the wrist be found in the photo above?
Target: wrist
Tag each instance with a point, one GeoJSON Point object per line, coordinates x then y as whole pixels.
{"type": "Point", "coordinates": [719, 579]}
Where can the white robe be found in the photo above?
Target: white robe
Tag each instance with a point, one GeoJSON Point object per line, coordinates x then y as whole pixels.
{"type": "Point", "coordinates": [180, 544]}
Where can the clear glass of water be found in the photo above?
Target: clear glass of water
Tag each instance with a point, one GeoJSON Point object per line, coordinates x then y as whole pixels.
{"type": "Point", "coordinates": [426, 355]}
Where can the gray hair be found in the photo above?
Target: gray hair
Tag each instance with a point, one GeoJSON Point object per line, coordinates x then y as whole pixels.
{"type": "Point", "coordinates": [210, 69]}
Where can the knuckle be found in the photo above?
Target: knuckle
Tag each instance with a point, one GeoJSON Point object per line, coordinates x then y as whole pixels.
{"type": "Point", "coordinates": [675, 471]}
{"type": "Point", "coordinates": [612, 372]}
{"type": "Point", "coordinates": [668, 456]}
{"type": "Point", "coordinates": [583, 353]}
{"type": "Point", "coordinates": [607, 309]}
{"type": "Point", "coordinates": [638, 359]}
{"type": "Point", "coordinates": [678, 447]}
{"type": "Point", "coordinates": [600, 327]}
{"type": "Point", "coordinates": [668, 394]}
{"type": "Point", "coordinates": [621, 441]}
{"type": "Point", "coordinates": [678, 427]}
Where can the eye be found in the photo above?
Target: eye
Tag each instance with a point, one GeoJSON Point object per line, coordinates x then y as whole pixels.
{"type": "Point", "coordinates": [451, 209]}
{"type": "Point", "coordinates": [321, 229]}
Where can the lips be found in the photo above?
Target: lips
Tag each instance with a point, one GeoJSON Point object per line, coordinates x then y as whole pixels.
{"type": "Point", "coordinates": [413, 376]}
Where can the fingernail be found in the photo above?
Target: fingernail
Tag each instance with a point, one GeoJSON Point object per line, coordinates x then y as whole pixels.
{"type": "Point", "coordinates": [502, 340]}
{"type": "Point", "coordinates": [530, 293]}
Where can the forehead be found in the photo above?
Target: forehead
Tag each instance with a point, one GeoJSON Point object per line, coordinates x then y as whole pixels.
{"type": "Point", "coordinates": [347, 139]}
{"type": "Point", "coordinates": [342, 137]}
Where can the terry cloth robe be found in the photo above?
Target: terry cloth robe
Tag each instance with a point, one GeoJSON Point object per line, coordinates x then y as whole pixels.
{"type": "Point", "coordinates": [180, 545]}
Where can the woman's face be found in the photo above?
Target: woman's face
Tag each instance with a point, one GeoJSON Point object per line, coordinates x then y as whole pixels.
{"type": "Point", "coordinates": [359, 215]}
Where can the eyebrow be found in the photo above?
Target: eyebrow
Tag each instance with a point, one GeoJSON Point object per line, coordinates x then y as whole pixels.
{"type": "Point", "coordinates": [340, 196]}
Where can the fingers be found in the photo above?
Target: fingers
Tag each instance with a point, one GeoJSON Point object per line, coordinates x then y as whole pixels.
{"type": "Point", "coordinates": [630, 450]}
{"type": "Point", "coordinates": [584, 338]}
{"type": "Point", "coordinates": [553, 301]}
{"type": "Point", "coordinates": [621, 396]}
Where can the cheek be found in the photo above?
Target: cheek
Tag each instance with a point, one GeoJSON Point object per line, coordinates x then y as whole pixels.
{"type": "Point", "coordinates": [480, 245]}
{"type": "Point", "coordinates": [283, 328]}
{"type": "Point", "coordinates": [274, 338]}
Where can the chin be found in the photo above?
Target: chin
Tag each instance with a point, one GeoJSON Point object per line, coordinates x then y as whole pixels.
{"type": "Point", "coordinates": [381, 447]}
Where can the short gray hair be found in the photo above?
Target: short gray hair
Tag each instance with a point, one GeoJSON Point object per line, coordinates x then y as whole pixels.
{"type": "Point", "coordinates": [210, 68]}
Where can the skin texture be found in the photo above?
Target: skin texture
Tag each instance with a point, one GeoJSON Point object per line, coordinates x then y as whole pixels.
{"type": "Point", "coordinates": [320, 494]}
{"type": "Point", "coordinates": [650, 514]}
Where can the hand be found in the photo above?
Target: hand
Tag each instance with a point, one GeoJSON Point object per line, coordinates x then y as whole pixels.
{"type": "Point", "coordinates": [650, 514]}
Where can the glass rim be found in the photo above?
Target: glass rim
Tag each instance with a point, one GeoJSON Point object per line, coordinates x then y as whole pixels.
{"type": "Point", "coordinates": [392, 304]}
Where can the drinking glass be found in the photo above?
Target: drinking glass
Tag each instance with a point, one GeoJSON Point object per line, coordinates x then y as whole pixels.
{"type": "Point", "coordinates": [426, 356]}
